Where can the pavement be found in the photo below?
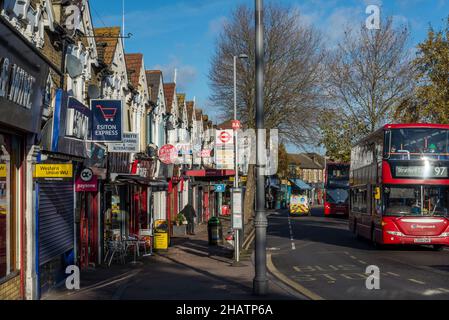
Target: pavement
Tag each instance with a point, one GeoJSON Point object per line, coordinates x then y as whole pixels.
{"type": "Point", "coordinates": [320, 258]}
{"type": "Point", "coordinates": [189, 270]}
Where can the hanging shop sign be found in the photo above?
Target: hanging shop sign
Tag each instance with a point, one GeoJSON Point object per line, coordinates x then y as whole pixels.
{"type": "Point", "coordinates": [23, 78]}
{"type": "Point", "coordinates": [86, 181]}
{"type": "Point", "coordinates": [53, 171]}
{"type": "Point", "coordinates": [143, 168]}
{"type": "Point", "coordinates": [69, 132]}
{"type": "Point", "coordinates": [130, 144]}
{"type": "Point", "coordinates": [107, 118]}
{"type": "Point", "coordinates": [77, 123]}
{"type": "Point", "coordinates": [220, 188]}
{"type": "Point", "coordinates": [2, 170]}
{"type": "Point", "coordinates": [168, 154]}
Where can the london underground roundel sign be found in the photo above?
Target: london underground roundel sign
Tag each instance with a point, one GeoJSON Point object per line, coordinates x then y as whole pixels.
{"type": "Point", "coordinates": [225, 137]}
{"type": "Point", "coordinates": [168, 154]}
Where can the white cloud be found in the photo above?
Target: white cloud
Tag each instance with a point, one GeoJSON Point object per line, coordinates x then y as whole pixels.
{"type": "Point", "coordinates": [216, 25]}
{"type": "Point", "coordinates": [186, 74]}
{"type": "Point", "coordinates": [339, 21]}
{"type": "Point", "coordinates": [373, 2]}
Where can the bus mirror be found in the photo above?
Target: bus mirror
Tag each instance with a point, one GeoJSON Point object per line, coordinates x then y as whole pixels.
{"type": "Point", "coordinates": [377, 193]}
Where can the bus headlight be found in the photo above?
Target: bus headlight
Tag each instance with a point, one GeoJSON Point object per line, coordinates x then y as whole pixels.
{"type": "Point", "coordinates": [396, 233]}
{"type": "Point", "coordinates": [445, 234]}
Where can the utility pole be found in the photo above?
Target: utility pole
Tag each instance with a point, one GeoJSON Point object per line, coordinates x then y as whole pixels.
{"type": "Point", "coordinates": [237, 232]}
{"type": "Point", "coordinates": [260, 283]}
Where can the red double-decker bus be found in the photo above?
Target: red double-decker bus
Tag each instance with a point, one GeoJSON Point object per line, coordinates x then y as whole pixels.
{"type": "Point", "coordinates": [399, 185]}
{"type": "Point", "coordinates": [336, 185]}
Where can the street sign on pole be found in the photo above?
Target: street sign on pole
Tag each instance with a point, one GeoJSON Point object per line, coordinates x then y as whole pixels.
{"type": "Point", "coordinates": [236, 125]}
{"type": "Point", "coordinates": [237, 209]}
{"type": "Point", "coordinates": [220, 188]}
{"type": "Point", "coordinates": [224, 150]}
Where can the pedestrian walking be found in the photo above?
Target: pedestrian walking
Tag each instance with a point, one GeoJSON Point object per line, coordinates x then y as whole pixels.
{"type": "Point", "coordinates": [190, 214]}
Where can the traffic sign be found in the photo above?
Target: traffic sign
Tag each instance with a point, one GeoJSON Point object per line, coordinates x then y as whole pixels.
{"type": "Point", "coordinates": [224, 137]}
{"type": "Point", "coordinates": [236, 125]}
{"type": "Point", "coordinates": [224, 149]}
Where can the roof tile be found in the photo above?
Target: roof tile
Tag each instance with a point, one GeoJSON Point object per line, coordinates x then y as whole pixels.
{"type": "Point", "coordinates": [107, 40]}
{"type": "Point", "coordinates": [134, 63]}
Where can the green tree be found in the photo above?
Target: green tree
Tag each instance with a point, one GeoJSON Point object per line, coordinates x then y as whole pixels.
{"type": "Point", "coordinates": [432, 63]}
{"type": "Point", "coordinates": [339, 133]}
{"type": "Point", "coordinates": [370, 73]}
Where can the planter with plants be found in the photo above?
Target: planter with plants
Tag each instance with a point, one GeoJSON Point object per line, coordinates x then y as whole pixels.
{"type": "Point", "coordinates": [180, 226]}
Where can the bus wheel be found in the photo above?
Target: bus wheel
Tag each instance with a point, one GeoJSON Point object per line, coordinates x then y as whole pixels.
{"type": "Point", "coordinates": [437, 247]}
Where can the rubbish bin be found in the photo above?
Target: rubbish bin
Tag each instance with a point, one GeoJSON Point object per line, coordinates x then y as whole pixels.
{"type": "Point", "coordinates": [214, 231]}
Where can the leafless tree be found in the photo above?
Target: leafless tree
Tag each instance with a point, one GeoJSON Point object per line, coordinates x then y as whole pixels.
{"type": "Point", "coordinates": [370, 74]}
{"type": "Point", "coordinates": [293, 71]}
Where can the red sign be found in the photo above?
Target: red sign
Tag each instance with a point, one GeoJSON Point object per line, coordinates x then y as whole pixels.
{"type": "Point", "coordinates": [236, 125]}
{"type": "Point", "coordinates": [225, 211]}
{"type": "Point", "coordinates": [86, 181]}
{"type": "Point", "coordinates": [225, 137]}
{"type": "Point", "coordinates": [205, 153]}
{"type": "Point", "coordinates": [168, 154]}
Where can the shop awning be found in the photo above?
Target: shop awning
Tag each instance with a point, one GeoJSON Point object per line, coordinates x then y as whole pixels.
{"type": "Point", "coordinates": [298, 183]}
{"type": "Point", "coordinates": [210, 173]}
{"type": "Point", "coordinates": [136, 179]}
{"type": "Point", "coordinates": [273, 183]}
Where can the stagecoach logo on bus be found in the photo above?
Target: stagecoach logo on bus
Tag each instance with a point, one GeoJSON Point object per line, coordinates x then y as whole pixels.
{"type": "Point", "coordinates": [107, 120]}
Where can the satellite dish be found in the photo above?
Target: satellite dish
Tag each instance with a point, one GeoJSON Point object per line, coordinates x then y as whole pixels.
{"type": "Point", "coordinates": [93, 91]}
{"type": "Point", "coordinates": [74, 66]}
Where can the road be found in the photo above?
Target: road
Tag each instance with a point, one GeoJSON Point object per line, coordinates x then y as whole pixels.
{"type": "Point", "coordinates": [322, 258]}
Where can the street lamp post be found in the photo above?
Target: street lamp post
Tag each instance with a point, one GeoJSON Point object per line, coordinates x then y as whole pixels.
{"type": "Point", "coordinates": [260, 283]}
{"type": "Point", "coordinates": [236, 165]}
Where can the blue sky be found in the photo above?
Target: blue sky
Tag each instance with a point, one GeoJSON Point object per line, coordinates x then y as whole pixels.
{"type": "Point", "coordinates": [182, 33]}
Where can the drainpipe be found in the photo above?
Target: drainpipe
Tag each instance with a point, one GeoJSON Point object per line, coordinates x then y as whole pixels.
{"type": "Point", "coordinates": [31, 224]}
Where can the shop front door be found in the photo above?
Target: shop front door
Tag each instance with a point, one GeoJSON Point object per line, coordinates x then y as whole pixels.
{"type": "Point", "coordinates": [89, 229]}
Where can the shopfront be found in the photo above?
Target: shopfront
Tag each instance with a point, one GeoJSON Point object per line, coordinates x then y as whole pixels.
{"type": "Point", "coordinates": [23, 77]}
{"type": "Point", "coordinates": [67, 206]}
{"type": "Point", "coordinates": [11, 221]}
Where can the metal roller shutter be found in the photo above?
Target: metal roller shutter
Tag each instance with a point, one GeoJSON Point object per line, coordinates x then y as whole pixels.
{"type": "Point", "coordinates": [56, 230]}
